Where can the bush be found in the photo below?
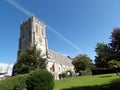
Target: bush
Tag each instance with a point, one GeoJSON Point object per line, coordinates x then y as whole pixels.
{"type": "Point", "coordinates": [13, 83]}
{"type": "Point", "coordinates": [97, 71]}
{"type": "Point", "coordinates": [21, 83]}
{"type": "Point", "coordinates": [115, 85]}
{"type": "Point", "coordinates": [36, 80]}
{"type": "Point", "coordinates": [64, 75]}
{"type": "Point", "coordinates": [86, 72]}
{"type": "Point", "coordinates": [40, 80]}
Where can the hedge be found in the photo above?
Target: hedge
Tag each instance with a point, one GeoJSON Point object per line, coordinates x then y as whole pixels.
{"type": "Point", "coordinates": [97, 71]}
{"type": "Point", "coordinates": [35, 80]}
{"type": "Point", "coordinates": [40, 80]}
{"type": "Point", "coordinates": [13, 83]}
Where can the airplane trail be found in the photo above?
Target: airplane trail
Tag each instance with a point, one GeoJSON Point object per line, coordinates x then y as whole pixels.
{"type": "Point", "coordinates": [19, 7]}
{"type": "Point", "coordinates": [25, 11]}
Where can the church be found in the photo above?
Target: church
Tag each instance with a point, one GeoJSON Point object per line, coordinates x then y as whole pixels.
{"type": "Point", "coordinates": [33, 32]}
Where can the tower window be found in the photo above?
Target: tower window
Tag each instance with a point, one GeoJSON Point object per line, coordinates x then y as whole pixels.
{"type": "Point", "coordinates": [53, 68]}
{"type": "Point", "coordinates": [36, 29]}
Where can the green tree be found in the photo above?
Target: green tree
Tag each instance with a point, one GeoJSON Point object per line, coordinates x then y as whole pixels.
{"type": "Point", "coordinates": [82, 62]}
{"type": "Point", "coordinates": [114, 64]}
{"type": "Point", "coordinates": [103, 55]}
{"type": "Point", "coordinates": [29, 60]}
{"type": "Point", "coordinates": [115, 44]}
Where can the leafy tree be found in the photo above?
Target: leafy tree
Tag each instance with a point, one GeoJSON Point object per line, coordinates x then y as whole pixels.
{"type": "Point", "coordinates": [29, 60]}
{"type": "Point", "coordinates": [108, 53]}
{"type": "Point", "coordinates": [114, 64]}
{"type": "Point", "coordinates": [115, 44]}
{"type": "Point", "coordinates": [82, 62]}
{"type": "Point", "coordinates": [103, 55]}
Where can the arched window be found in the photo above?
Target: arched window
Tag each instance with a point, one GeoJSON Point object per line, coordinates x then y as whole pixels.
{"type": "Point", "coordinates": [53, 67]}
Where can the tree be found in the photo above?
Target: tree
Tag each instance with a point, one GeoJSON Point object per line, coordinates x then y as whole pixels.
{"type": "Point", "coordinates": [103, 55]}
{"type": "Point", "coordinates": [115, 44]}
{"type": "Point", "coordinates": [82, 62]}
{"type": "Point", "coordinates": [29, 60]}
{"type": "Point", "coordinates": [114, 64]}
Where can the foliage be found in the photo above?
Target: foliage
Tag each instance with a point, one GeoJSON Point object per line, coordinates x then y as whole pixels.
{"type": "Point", "coordinates": [66, 74]}
{"type": "Point", "coordinates": [13, 83]}
{"type": "Point", "coordinates": [115, 44]}
{"type": "Point", "coordinates": [98, 71]}
{"type": "Point", "coordinates": [21, 85]}
{"type": "Point", "coordinates": [115, 85]}
{"type": "Point", "coordinates": [40, 80]}
{"type": "Point", "coordinates": [114, 64]}
{"type": "Point", "coordinates": [102, 55]}
{"type": "Point", "coordinates": [86, 72]}
{"type": "Point", "coordinates": [108, 52]}
{"type": "Point", "coordinates": [29, 60]}
{"type": "Point", "coordinates": [35, 80]}
{"type": "Point", "coordinates": [82, 62]}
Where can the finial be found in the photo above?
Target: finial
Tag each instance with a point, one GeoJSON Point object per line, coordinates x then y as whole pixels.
{"type": "Point", "coordinates": [33, 16]}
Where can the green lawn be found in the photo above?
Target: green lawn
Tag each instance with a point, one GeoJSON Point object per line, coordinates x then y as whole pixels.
{"type": "Point", "coordinates": [85, 82]}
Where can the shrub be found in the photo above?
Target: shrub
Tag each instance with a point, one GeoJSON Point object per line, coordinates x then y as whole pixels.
{"type": "Point", "coordinates": [21, 83]}
{"type": "Point", "coordinates": [64, 75]}
{"type": "Point", "coordinates": [40, 80]}
{"type": "Point", "coordinates": [97, 71]}
{"type": "Point", "coordinates": [86, 72]}
{"type": "Point", "coordinates": [13, 83]}
{"type": "Point", "coordinates": [115, 85]}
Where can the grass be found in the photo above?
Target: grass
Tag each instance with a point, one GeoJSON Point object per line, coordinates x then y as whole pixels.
{"type": "Point", "coordinates": [95, 82]}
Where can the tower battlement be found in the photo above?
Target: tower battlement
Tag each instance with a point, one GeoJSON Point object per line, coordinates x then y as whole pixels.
{"type": "Point", "coordinates": [32, 18]}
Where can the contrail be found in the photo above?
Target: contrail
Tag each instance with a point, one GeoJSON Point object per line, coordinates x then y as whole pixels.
{"type": "Point", "coordinates": [65, 39]}
{"type": "Point", "coordinates": [53, 30]}
{"type": "Point", "coordinates": [19, 7]}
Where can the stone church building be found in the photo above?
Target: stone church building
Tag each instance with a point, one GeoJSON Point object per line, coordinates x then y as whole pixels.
{"type": "Point", "coordinates": [33, 32]}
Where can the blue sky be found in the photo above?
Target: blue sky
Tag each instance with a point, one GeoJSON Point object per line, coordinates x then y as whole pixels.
{"type": "Point", "coordinates": [82, 23]}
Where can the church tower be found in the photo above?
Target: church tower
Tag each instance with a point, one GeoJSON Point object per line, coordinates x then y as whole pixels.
{"type": "Point", "coordinates": [32, 32]}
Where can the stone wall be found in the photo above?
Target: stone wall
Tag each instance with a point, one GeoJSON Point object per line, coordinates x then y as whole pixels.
{"type": "Point", "coordinates": [58, 63]}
